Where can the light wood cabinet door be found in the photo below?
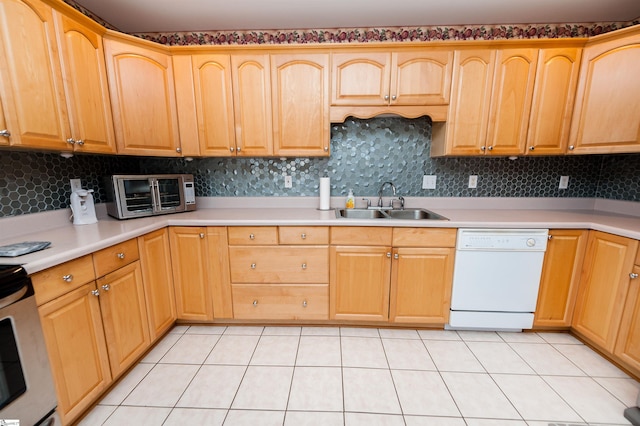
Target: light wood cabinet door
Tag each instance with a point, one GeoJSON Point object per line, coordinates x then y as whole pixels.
{"type": "Point", "coordinates": [360, 78]}
{"type": "Point", "coordinates": [86, 88]}
{"type": "Point", "coordinates": [155, 264]}
{"type": "Point", "coordinates": [251, 78]}
{"type": "Point", "coordinates": [560, 277]}
{"type": "Point", "coordinates": [553, 99]}
{"type": "Point", "coordinates": [511, 101]}
{"type": "Point", "coordinates": [359, 282]}
{"type": "Point", "coordinates": [30, 77]}
{"type": "Point", "coordinates": [300, 95]}
{"type": "Point", "coordinates": [606, 118]}
{"type": "Point", "coordinates": [124, 315]}
{"type": "Point", "coordinates": [468, 118]}
{"type": "Point", "coordinates": [628, 341]}
{"type": "Point", "coordinates": [603, 288]}
{"type": "Point", "coordinates": [421, 280]}
{"type": "Point", "coordinates": [189, 257]}
{"type": "Point", "coordinates": [72, 326]}
{"type": "Point", "coordinates": [143, 99]}
{"type": "Point", "coordinates": [218, 272]}
{"type": "Point", "coordinates": [421, 77]}
{"type": "Point", "coordinates": [205, 104]}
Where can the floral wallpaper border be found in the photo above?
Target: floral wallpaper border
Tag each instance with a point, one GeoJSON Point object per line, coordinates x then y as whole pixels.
{"type": "Point", "coordinates": [371, 35]}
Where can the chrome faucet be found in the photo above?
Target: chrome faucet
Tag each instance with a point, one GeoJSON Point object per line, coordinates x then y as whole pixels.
{"type": "Point", "coordinates": [393, 188]}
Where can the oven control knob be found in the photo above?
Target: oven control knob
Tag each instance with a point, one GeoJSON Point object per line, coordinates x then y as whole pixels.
{"type": "Point", "coordinates": [531, 242]}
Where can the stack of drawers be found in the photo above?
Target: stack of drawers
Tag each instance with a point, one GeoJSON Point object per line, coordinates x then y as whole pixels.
{"type": "Point", "coordinates": [279, 272]}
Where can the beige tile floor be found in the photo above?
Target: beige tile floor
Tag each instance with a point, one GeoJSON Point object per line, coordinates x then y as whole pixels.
{"type": "Point", "coordinates": [211, 375]}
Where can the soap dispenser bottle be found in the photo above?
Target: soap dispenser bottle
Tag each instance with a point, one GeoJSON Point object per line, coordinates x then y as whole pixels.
{"type": "Point", "coordinates": [351, 201]}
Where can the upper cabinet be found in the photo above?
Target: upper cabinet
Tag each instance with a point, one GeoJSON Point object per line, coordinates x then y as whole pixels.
{"type": "Point", "coordinates": [252, 104]}
{"type": "Point", "coordinates": [300, 97]}
{"type": "Point", "coordinates": [85, 83]}
{"type": "Point", "coordinates": [606, 118]}
{"type": "Point", "coordinates": [553, 99]}
{"type": "Point", "coordinates": [143, 98]}
{"type": "Point", "coordinates": [411, 77]}
{"type": "Point", "coordinates": [30, 77]}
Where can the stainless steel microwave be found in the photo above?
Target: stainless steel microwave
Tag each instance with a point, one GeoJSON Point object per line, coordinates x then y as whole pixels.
{"type": "Point", "coordinates": [131, 196]}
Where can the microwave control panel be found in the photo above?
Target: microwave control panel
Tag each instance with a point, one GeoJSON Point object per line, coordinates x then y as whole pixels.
{"type": "Point", "coordinates": [189, 193]}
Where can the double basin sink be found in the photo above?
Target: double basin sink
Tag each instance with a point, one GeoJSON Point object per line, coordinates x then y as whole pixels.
{"type": "Point", "coordinates": [409, 214]}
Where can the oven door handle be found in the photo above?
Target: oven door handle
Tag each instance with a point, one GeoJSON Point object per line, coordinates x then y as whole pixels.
{"type": "Point", "coordinates": [155, 195]}
{"type": "Point", "coordinates": [13, 297]}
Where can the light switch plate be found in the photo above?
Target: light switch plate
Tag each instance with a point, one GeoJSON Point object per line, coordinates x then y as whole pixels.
{"type": "Point", "coordinates": [564, 182]}
{"type": "Point", "coordinates": [76, 184]}
{"type": "Point", "coordinates": [473, 181]}
{"type": "Point", "coordinates": [429, 182]}
{"type": "Point", "coordinates": [288, 182]}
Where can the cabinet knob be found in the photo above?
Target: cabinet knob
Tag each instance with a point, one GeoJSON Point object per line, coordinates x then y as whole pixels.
{"type": "Point", "coordinates": [303, 236]}
{"type": "Point", "coordinates": [304, 303]}
{"type": "Point", "coordinates": [633, 275]}
{"type": "Point", "coordinates": [252, 237]}
{"type": "Point", "coordinates": [386, 97]}
{"type": "Point", "coordinates": [106, 287]}
{"type": "Point", "coordinates": [389, 254]}
{"type": "Point", "coordinates": [396, 256]}
{"type": "Point", "coordinates": [394, 97]}
{"type": "Point", "coordinates": [231, 149]}
{"type": "Point", "coordinates": [304, 266]}
{"type": "Point", "coordinates": [550, 237]}
{"type": "Point", "coordinates": [326, 149]}
{"type": "Point", "coordinates": [490, 148]}
{"type": "Point", "coordinates": [571, 147]}
{"type": "Point", "coordinates": [238, 149]}
{"type": "Point", "coordinates": [80, 142]}
{"type": "Point", "coordinates": [201, 235]}
{"type": "Point", "coordinates": [67, 278]}
{"type": "Point", "coordinates": [120, 256]}
{"type": "Point", "coordinates": [253, 266]}
{"type": "Point", "coordinates": [531, 148]}
{"type": "Point", "coordinates": [71, 141]}
{"type": "Point", "coordinates": [5, 134]}
{"type": "Point", "coordinates": [178, 150]}
{"type": "Point", "coordinates": [95, 293]}
{"type": "Point", "coordinates": [483, 148]}
{"type": "Point", "coordinates": [255, 303]}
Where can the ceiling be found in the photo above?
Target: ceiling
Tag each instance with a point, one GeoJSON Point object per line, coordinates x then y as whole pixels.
{"type": "Point", "coordinates": [135, 16]}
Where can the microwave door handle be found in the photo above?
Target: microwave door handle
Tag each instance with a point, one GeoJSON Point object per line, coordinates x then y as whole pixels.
{"type": "Point", "coordinates": [155, 198]}
{"type": "Point", "coordinates": [158, 197]}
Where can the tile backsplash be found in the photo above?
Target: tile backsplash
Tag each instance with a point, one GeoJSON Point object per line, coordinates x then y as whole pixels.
{"type": "Point", "coordinates": [364, 153]}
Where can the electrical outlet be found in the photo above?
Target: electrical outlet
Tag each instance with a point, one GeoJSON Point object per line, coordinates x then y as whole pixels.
{"type": "Point", "coordinates": [76, 184]}
{"type": "Point", "coordinates": [564, 182]}
{"type": "Point", "coordinates": [429, 182]}
{"type": "Point", "coordinates": [288, 182]}
{"type": "Point", "coordinates": [473, 181]}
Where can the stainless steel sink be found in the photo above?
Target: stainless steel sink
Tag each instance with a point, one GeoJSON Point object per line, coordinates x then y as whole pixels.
{"type": "Point", "coordinates": [408, 214]}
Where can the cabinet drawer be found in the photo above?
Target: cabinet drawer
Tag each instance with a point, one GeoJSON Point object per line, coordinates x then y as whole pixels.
{"type": "Point", "coordinates": [61, 279]}
{"type": "Point", "coordinates": [303, 235]}
{"type": "Point", "coordinates": [424, 237]}
{"type": "Point", "coordinates": [360, 236]}
{"type": "Point", "coordinates": [253, 235]}
{"type": "Point", "coordinates": [279, 264]}
{"type": "Point", "coordinates": [114, 257]}
{"type": "Point", "coordinates": [286, 301]}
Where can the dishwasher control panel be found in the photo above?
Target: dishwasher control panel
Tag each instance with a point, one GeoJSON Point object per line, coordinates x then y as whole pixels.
{"type": "Point", "coordinates": [502, 239]}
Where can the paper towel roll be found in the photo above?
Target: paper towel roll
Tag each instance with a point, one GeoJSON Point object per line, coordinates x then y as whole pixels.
{"type": "Point", "coordinates": [325, 193]}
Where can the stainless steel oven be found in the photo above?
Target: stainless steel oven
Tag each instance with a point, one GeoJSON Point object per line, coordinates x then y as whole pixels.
{"type": "Point", "coordinates": [27, 392]}
{"type": "Point", "coordinates": [130, 196]}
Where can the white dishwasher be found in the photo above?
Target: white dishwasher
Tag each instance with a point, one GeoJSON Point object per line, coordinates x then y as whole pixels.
{"type": "Point", "coordinates": [496, 278]}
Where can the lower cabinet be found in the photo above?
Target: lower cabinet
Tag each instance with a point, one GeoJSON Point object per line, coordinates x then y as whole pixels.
{"type": "Point", "coordinates": [560, 278]}
{"type": "Point", "coordinates": [603, 288]}
{"type": "Point", "coordinates": [628, 343]}
{"type": "Point", "coordinates": [280, 301]}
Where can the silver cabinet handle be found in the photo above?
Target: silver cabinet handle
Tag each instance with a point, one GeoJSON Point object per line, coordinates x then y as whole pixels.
{"type": "Point", "coordinates": [394, 97]}
{"type": "Point", "coordinates": [120, 255]}
{"type": "Point", "coordinates": [531, 148]}
{"type": "Point", "coordinates": [5, 133]}
{"type": "Point", "coordinates": [201, 235]}
{"type": "Point", "coordinates": [106, 287]}
{"type": "Point", "coordinates": [231, 149]}
{"type": "Point", "coordinates": [550, 237]}
{"type": "Point", "coordinates": [304, 303]}
{"type": "Point", "coordinates": [326, 149]}
{"type": "Point", "coordinates": [303, 236]}
{"type": "Point", "coordinates": [490, 147]}
{"type": "Point", "coordinates": [95, 293]}
{"type": "Point", "coordinates": [396, 256]}
{"type": "Point", "coordinates": [178, 150]}
{"type": "Point", "coordinates": [252, 237]}
{"type": "Point", "coordinates": [71, 141]}
{"type": "Point", "coordinates": [67, 278]}
{"type": "Point", "coordinates": [238, 149]}
{"type": "Point", "coordinates": [389, 255]}
{"type": "Point", "coordinates": [80, 142]}
{"type": "Point", "coordinates": [386, 97]}
{"type": "Point", "coordinates": [483, 148]}
{"type": "Point", "coordinates": [253, 266]}
{"type": "Point", "coordinates": [304, 266]}
{"type": "Point", "coordinates": [633, 275]}
{"type": "Point", "coordinates": [571, 147]}
{"type": "Point", "coordinates": [255, 303]}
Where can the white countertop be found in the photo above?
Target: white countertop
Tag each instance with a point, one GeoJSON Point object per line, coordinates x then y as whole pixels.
{"type": "Point", "coordinates": [70, 242]}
